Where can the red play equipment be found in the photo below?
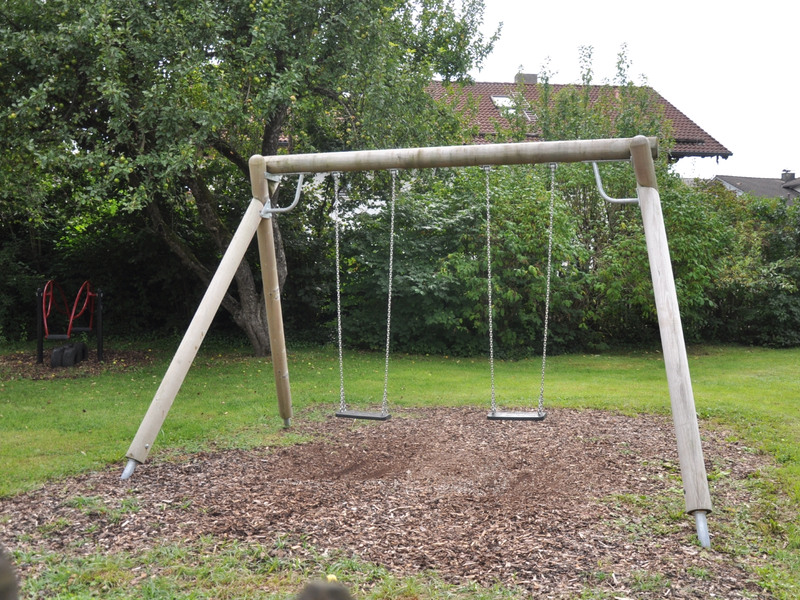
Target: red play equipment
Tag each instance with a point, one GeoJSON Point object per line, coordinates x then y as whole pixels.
{"type": "Point", "coordinates": [87, 305]}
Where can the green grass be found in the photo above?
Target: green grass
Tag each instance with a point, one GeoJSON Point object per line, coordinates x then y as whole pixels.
{"type": "Point", "coordinates": [55, 428]}
{"type": "Point", "coordinates": [221, 569]}
{"type": "Point", "coordinates": [51, 429]}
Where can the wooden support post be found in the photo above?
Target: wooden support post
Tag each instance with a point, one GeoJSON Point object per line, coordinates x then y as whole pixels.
{"type": "Point", "coordinates": [176, 373]}
{"type": "Point", "coordinates": [690, 452]}
{"type": "Point", "coordinates": [272, 293]}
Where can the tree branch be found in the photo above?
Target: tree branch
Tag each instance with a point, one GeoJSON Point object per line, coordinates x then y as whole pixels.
{"type": "Point", "coordinates": [10, 21]}
{"type": "Point", "coordinates": [226, 150]}
{"type": "Point", "coordinates": [177, 245]}
{"type": "Point", "coordinates": [186, 256]}
{"type": "Point", "coordinates": [208, 213]}
{"type": "Point", "coordinates": [272, 131]}
{"type": "Point", "coordinates": [327, 93]}
{"type": "Point", "coordinates": [336, 98]}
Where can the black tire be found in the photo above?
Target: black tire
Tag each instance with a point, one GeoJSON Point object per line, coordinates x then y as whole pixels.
{"type": "Point", "coordinates": [68, 358]}
{"type": "Point", "coordinates": [81, 352]}
{"type": "Point", "coordinates": [56, 358]}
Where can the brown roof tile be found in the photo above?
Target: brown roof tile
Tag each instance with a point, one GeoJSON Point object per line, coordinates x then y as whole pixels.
{"type": "Point", "coordinates": [690, 138]}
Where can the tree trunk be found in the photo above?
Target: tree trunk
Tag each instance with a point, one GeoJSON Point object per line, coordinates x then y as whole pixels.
{"type": "Point", "coordinates": [249, 310]}
{"type": "Point", "coordinates": [280, 253]}
{"type": "Point", "coordinates": [252, 314]}
{"type": "Point", "coordinates": [249, 313]}
{"type": "Point", "coordinates": [269, 147]}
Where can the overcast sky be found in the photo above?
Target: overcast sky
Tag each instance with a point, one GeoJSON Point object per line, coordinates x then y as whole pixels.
{"type": "Point", "coordinates": [732, 70]}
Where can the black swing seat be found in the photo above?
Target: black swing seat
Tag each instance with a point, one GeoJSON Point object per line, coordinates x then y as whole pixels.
{"type": "Point", "coordinates": [371, 416]}
{"type": "Point", "coordinates": [516, 416]}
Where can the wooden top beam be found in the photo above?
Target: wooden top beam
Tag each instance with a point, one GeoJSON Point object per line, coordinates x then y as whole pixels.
{"type": "Point", "coordinates": [455, 156]}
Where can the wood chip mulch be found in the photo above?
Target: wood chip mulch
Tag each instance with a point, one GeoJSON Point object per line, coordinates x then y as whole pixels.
{"type": "Point", "coordinates": [529, 504]}
{"type": "Point", "coordinates": [23, 365]}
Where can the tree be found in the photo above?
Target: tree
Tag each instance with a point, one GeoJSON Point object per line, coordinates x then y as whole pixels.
{"type": "Point", "coordinates": [735, 259]}
{"type": "Point", "coordinates": [153, 107]}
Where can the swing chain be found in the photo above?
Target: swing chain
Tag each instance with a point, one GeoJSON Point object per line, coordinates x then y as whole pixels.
{"type": "Point", "coordinates": [342, 403]}
{"type": "Point", "coordinates": [385, 403]}
{"type": "Point", "coordinates": [547, 292]}
{"type": "Point", "coordinates": [487, 169]}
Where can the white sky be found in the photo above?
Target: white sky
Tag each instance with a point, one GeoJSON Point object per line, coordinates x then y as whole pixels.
{"type": "Point", "coordinates": [731, 69]}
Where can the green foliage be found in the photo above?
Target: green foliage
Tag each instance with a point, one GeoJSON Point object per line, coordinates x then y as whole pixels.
{"type": "Point", "coordinates": [130, 99]}
{"type": "Point", "coordinates": [734, 259]}
{"type": "Point", "coordinates": [440, 296]}
{"type": "Point", "coordinates": [129, 108]}
{"type": "Point", "coordinates": [17, 287]}
{"type": "Point", "coordinates": [758, 291]}
{"type": "Point", "coordinates": [430, 309]}
{"type": "Point", "coordinates": [145, 289]}
{"type": "Point", "coordinates": [127, 127]}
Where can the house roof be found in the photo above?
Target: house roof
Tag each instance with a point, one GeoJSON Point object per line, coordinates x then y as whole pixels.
{"type": "Point", "coordinates": [690, 138]}
{"type": "Point", "coordinates": [765, 187]}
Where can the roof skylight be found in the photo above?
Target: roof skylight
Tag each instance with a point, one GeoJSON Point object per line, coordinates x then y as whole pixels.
{"type": "Point", "coordinates": [503, 102]}
{"type": "Point", "coordinates": [505, 105]}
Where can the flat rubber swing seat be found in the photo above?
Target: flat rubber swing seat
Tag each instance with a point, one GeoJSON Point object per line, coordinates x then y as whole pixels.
{"type": "Point", "coordinates": [516, 416]}
{"type": "Point", "coordinates": [371, 416]}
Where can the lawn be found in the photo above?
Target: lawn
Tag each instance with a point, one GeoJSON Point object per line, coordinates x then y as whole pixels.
{"type": "Point", "coordinates": [55, 428]}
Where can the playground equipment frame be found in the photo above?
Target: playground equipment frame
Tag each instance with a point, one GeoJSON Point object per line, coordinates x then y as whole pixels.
{"type": "Point", "coordinates": [263, 169]}
{"type": "Point", "coordinates": [93, 301]}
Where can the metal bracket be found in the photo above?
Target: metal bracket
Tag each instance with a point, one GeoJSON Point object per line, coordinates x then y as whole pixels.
{"type": "Point", "coordinates": [268, 211]}
{"type": "Point", "coordinates": [603, 192]}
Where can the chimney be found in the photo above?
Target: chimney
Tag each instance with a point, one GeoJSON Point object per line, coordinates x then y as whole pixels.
{"type": "Point", "coordinates": [526, 78]}
{"type": "Point", "coordinates": [787, 175]}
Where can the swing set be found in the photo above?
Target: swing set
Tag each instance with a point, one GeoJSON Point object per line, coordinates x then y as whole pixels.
{"type": "Point", "coordinates": [265, 175]}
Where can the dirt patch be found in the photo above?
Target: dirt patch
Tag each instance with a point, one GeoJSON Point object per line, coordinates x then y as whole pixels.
{"type": "Point", "coordinates": [579, 499]}
{"type": "Point", "coordinates": [23, 365]}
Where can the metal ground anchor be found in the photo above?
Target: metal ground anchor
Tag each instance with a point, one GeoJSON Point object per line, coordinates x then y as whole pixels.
{"type": "Point", "coordinates": [702, 528]}
{"type": "Point", "coordinates": [129, 469]}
